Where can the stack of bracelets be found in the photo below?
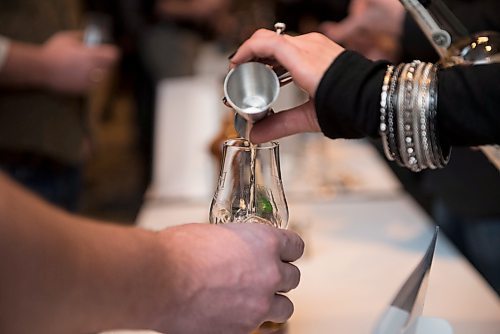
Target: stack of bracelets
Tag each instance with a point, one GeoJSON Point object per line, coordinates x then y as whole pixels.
{"type": "Point", "coordinates": [408, 122]}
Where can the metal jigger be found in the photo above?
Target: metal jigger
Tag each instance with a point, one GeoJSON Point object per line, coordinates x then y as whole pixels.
{"type": "Point", "coordinates": [251, 89]}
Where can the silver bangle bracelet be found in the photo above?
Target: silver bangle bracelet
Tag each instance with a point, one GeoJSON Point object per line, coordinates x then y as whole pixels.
{"type": "Point", "coordinates": [423, 108]}
{"type": "Point", "coordinates": [384, 105]}
{"type": "Point", "coordinates": [408, 116]}
{"type": "Point", "coordinates": [432, 121]}
{"type": "Point", "coordinates": [392, 152]}
{"type": "Point", "coordinates": [415, 119]}
{"type": "Point", "coordinates": [441, 159]}
{"type": "Point", "coordinates": [400, 110]}
{"type": "Point", "coordinates": [411, 162]}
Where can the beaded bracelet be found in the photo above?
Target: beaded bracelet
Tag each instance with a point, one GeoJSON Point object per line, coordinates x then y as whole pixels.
{"type": "Point", "coordinates": [415, 119]}
{"type": "Point", "coordinates": [401, 110]}
{"type": "Point", "coordinates": [423, 109]}
{"type": "Point", "coordinates": [384, 104]}
{"type": "Point", "coordinates": [383, 98]}
{"type": "Point", "coordinates": [411, 160]}
{"type": "Point", "coordinates": [391, 150]}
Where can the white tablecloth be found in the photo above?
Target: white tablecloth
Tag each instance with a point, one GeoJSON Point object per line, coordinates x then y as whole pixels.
{"type": "Point", "coordinates": [359, 252]}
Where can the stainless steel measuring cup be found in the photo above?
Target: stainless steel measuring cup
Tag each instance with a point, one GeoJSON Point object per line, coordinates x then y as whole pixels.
{"type": "Point", "coordinates": [251, 89]}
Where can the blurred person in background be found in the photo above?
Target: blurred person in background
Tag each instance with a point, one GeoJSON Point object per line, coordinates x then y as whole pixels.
{"type": "Point", "coordinates": [159, 39]}
{"type": "Point", "coordinates": [382, 29]}
{"type": "Point", "coordinates": [169, 48]}
{"type": "Point", "coordinates": [463, 197]}
{"type": "Point", "coordinates": [372, 27]}
{"type": "Point", "coordinates": [45, 76]}
{"type": "Point", "coordinates": [162, 39]}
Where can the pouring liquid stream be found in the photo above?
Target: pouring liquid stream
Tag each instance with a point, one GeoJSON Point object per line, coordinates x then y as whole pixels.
{"type": "Point", "coordinates": [254, 104]}
{"type": "Point", "coordinates": [253, 154]}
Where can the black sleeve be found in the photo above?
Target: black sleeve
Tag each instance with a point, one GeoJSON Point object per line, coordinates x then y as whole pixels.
{"type": "Point", "coordinates": [477, 15]}
{"type": "Point", "coordinates": [469, 105]}
{"type": "Point", "coordinates": [348, 99]}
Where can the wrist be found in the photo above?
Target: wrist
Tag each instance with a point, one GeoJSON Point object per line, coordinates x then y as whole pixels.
{"type": "Point", "coordinates": [44, 72]}
{"type": "Point", "coordinates": [167, 282]}
{"type": "Point", "coordinates": [120, 268]}
{"type": "Point", "coordinates": [4, 50]}
{"type": "Point", "coordinates": [350, 113]}
{"type": "Point", "coordinates": [25, 66]}
{"type": "Point", "coordinates": [153, 299]}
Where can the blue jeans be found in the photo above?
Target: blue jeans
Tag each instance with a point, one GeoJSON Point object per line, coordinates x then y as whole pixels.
{"type": "Point", "coordinates": [60, 186]}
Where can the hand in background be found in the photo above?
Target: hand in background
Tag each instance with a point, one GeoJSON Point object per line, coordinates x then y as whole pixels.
{"type": "Point", "coordinates": [306, 57]}
{"type": "Point", "coordinates": [192, 10]}
{"type": "Point", "coordinates": [373, 28]}
{"type": "Point", "coordinates": [227, 278]}
{"type": "Point", "coordinates": [71, 66]}
{"type": "Point", "coordinates": [63, 64]}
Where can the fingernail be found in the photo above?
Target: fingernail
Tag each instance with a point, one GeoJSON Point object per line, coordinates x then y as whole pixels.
{"type": "Point", "coordinates": [231, 55]}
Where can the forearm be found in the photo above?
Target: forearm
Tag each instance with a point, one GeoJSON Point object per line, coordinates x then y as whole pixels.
{"type": "Point", "coordinates": [348, 101]}
{"type": "Point", "coordinates": [476, 16]}
{"type": "Point", "coordinates": [468, 100]}
{"type": "Point", "coordinates": [4, 50]}
{"type": "Point", "coordinates": [24, 66]}
{"type": "Point", "coordinates": [67, 275]}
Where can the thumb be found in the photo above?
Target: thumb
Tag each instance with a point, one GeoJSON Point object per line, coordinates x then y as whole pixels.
{"type": "Point", "coordinates": [285, 123]}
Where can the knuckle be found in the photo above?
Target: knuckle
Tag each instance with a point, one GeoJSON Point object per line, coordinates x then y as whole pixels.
{"type": "Point", "coordinates": [261, 32]}
{"type": "Point", "coordinates": [284, 308]}
{"type": "Point", "coordinates": [250, 322]}
{"type": "Point", "coordinates": [289, 309]}
{"type": "Point", "coordinates": [260, 308]}
{"type": "Point", "coordinates": [275, 278]}
{"type": "Point", "coordinates": [317, 36]}
{"type": "Point", "coordinates": [272, 241]}
{"type": "Point", "coordinates": [292, 278]}
{"type": "Point", "coordinates": [300, 246]}
{"type": "Point", "coordinates": [296, 277]}
{"type": "Point", "coordinates": [296, 244]}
